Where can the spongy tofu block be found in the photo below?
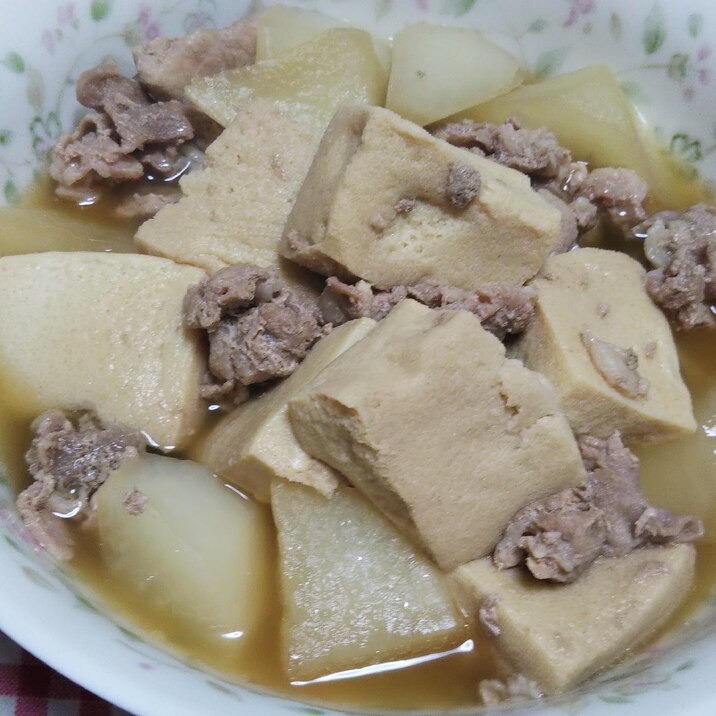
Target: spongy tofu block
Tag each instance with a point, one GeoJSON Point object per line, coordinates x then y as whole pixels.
{"type": "Point", "coordinates": [348, 221]}
{"type": "Point", "coordinates": [449, 438]}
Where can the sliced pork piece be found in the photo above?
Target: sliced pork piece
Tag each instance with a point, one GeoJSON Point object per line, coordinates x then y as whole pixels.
{"type": "Point", "coordinates": [69, 458]}
{"type": "Point", "coordinates": [558, 538]}
{"type": "Point", "coordinates": [682, 249]}
{"type": "Point", "coordinates": [536, 152]}
{"type": "Point", "coordinates": [502, 309]}
{"type": "Point", "coordinates": [257, 330]}
{"type": "Point", "coordinates": [166, 65]}
{"type": "Point", "coordinates": [90, 154]}
{"type": "Point", "coordinates": [620, 191]}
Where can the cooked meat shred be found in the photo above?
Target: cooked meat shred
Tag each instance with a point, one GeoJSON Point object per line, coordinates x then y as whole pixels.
{"type": "Point", "coordinates": [404, 206]}
{"type": "Point", "coordinates": [618, 366]}
{"type": "Point", "coordinates": [70, 457]}
{"type": "Point", "coordinates": [165, 66]}
{"type": "Point", "coordinates": [487, 615]}
{"type": "Point", "coordinates": [134, 502]}
{"type": "Point", "coordinates": [144, 205]}
{"type": "Point", "coordinates": [267, 341]}
{"type": "Point", "coordinates": [620, 191]}
{"type": "Point", "coordinates": [463, 185]}
{"type": "Point", "coordinates": [144, 128]}
{"type": "Point", "coordinates": [89, 154]}
{"type": "Point", "coordinates": [137, 121]}
{"type": "Point", "coordinates": [257, 330]}
{"type": "Point", "coordinates": [536, 152]}
{"type": "Point", "coordinates": [501, 308]}
{"type": "Point", "coordinates": [228, 292]}
{"type": "Point", "coordinates": [681, 246]}
{"type": "Point", "coordinates": [513, 688]}
{"type": "Point", "coordinates": [126, 137]}
{"type": "Point", "coordinates": [559, 537]}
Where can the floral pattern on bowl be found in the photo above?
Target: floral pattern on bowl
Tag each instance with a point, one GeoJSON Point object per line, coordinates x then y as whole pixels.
{"type": "Point", "coordinates": [664, 56]}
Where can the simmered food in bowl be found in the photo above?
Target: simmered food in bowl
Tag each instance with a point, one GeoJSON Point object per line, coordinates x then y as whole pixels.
{"type": "Point", "coordinates": [358, 421]}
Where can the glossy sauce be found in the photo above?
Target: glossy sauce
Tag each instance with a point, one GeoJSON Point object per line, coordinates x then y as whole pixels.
{"type": "Point", "coordinates": [679, 475]}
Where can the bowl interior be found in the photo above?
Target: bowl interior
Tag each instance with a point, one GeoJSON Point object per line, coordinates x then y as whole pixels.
{"type": "Point", "coordinates": [663, 56]}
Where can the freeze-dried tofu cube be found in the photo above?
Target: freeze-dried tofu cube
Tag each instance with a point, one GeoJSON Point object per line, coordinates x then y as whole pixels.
{"type": "Point", "coordinates": [255, 443]}
{"type": "Point", "coordinates": [560, 634]}
{"type": "Point", "coordinates": [234, 209]}
{"type": "Point", "coordinates": [606, 348]}
{"type": "Point", "coordinates": [470, 221]}
{"type": "Point", "coordinates": [104, 332]}
{"type": "Point", "coordinates": [443, 433]}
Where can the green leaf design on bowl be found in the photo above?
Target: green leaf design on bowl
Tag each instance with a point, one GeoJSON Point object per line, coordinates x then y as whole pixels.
{"type": "Point", "coordinates": [457, 8]}
{"type": "Point", "coordinates": [654, 30]}
{"type": "Point", "coordinates": [14, 62]}
{"type": "Point", "coordinates": [38, 578]}
{"type": "Point", "coordinates": [696, 23]}
{"type": "Point", "coordinates": [549, 62]}
{"type": "Point", "coordinates": [99, 9]}
{"type": "Point", "coordinates": [84, 604]}
{"type": "Point", "coordinates": [223, 689]}
{"type": "Point", "coordinates": [615, 699]}
{"type": "Point", "coordinates": [615, 26]}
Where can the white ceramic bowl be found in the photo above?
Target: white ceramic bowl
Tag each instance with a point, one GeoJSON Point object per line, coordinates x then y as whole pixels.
{"type": "Point", "coordinates": [662, 52]}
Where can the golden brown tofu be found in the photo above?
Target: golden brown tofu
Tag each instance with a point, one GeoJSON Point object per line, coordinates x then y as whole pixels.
{"type": "Point", "coordinates": [104, 332]}
{"type": "Point", "coordinates": [444, 434]}
{"type": "Point", "coordinates": [255, 443]}
{"type": "Point", "coordinates": [560, 634]}
{"type": "Point", "coordinates": [234, 209]}
{"type": "Point", "coordinates": [470, 221]}
{"type": "Point", "coordinates": [606, 348]}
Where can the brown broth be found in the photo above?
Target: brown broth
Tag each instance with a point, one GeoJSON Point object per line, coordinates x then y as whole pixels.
{"type": "Point", "coordinates": [680, 475]}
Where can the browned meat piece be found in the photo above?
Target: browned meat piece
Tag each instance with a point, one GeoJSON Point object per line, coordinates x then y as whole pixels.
{"type": "Point", "coordinates": [137, 121]}
{"type": "Point", "coordinates": [134, 502]}
{"type": "Point", "coordinates": [89, 154]}
{"type": "Point", "coordinates": [501, 309]}
{"type": "Point", "coordinates": [70, 457]}
{"type": "Point", "coordinates": [144, 205]}
{"type": "Point", "coordinates": [166, 65]}
{"type": "Point", "coordinates": [257, 331]}
{"type": "Point", "coordinates": [535, 152]}
{"type": "Point", "coordinates": [267, 341]}
{"type": "Point", "coordinates": [513, 688]}
{"type": "Point", "coordinates": [487, 615]}
{"type": "Point", "coordinates": [341, 302]}
{"type": "Point", "coordinates": [682, 249]}
{"type": "Point", "coordinates": [620, 191]}
{"type": "Point", "coordinates": [142, 125]}
{"type": "Point", "coordinates": [559, 537]}
{"type": "Point", "coordinates": [463, 185]}
{"type": "Point", "coordinates": [98, 85]}
{"type": "Point", "coordinates": [478, 136]}
{"type": "Point", "coordinates": [125, 137]}
{"type": "Point", "coordinates": [170, 162]}
{"type": "Point", "coordinates": [223, 394]}
{"type": "Point", "coordinates": [228, 293]}
{"type": "Point", "coordinates": [618, 366]}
